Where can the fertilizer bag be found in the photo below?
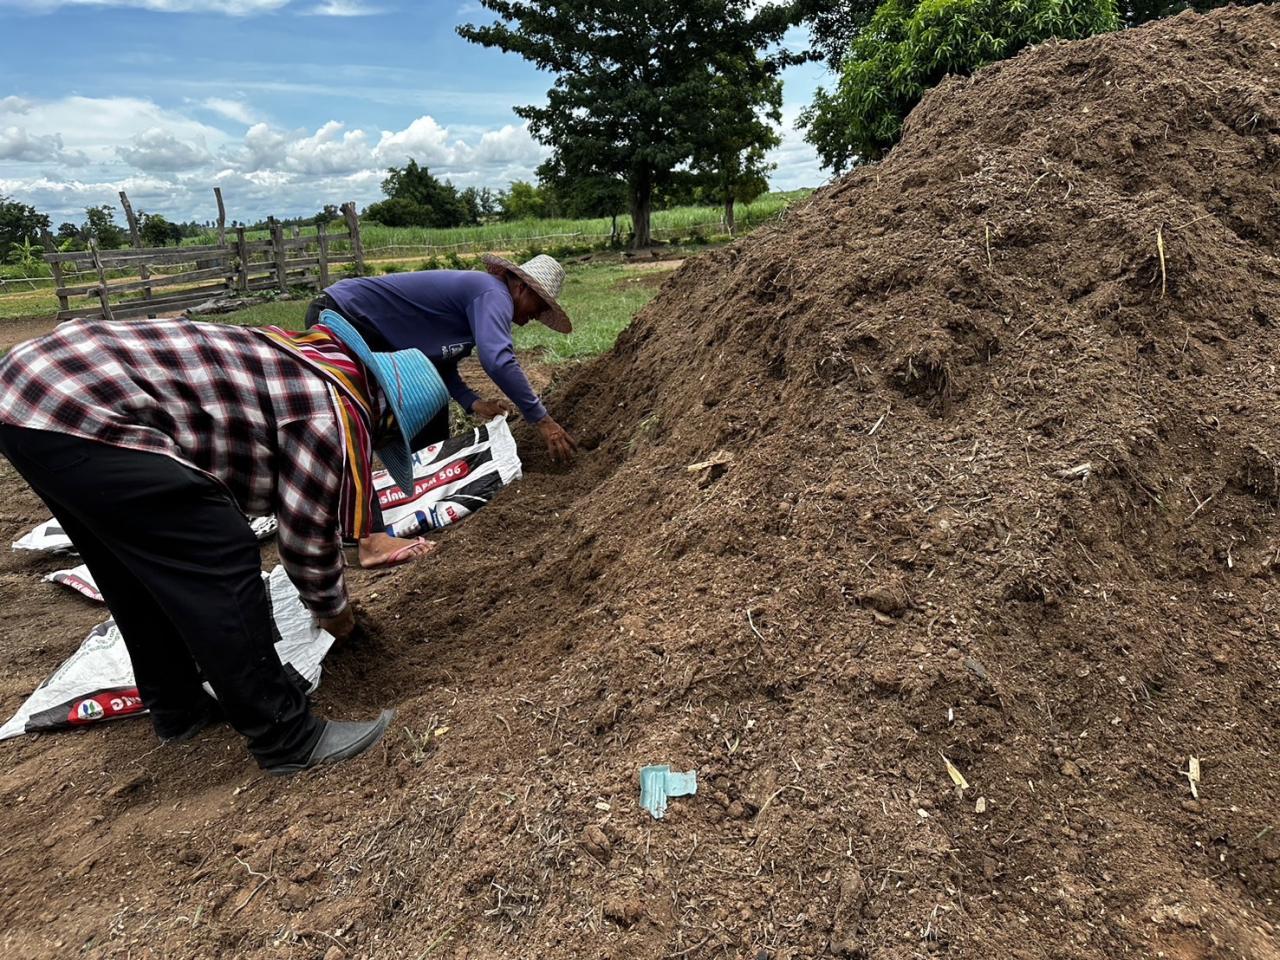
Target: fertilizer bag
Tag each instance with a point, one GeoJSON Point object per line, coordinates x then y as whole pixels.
{"type": "Point", "coordinates": [96, 682]}
{"type": "Point", "coordinates": [49, 537]}
{"type": "Point", "coordinates": [452, 480]}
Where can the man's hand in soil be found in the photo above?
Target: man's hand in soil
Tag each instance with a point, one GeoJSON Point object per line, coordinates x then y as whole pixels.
{"type": "Point", "coordinates": [341, 625]}
{"type": "Point", "coordinates": [488, 409]}
{"type": "Point", "coordinates": [560, 444]}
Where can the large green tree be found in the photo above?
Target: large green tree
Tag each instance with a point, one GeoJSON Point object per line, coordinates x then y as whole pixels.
{"type": "Point", "coordinates": [20, 224]}
{"type": "Point", "coordinates": [415, 198]}
{"type": "Point", "coordinates": [835, 24]}
{"type": "Point", "coordinates": [522, 201]}
{"type": "Point", "coordinates": [910, 45]}
{"type": "Point", "coordinates": [729, 159]}
{"type": "Point", "coordinates": [629, 96]}
{"type": "Point", "coordinates": [157, 231]}
{"type": "Point", "coordinates": [583, 197]}
{"type": "Point", "coordinates": [100, 225]}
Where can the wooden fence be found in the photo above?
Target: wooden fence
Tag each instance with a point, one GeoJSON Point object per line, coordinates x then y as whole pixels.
{"type": "Point", "coordinates": [147, 281]}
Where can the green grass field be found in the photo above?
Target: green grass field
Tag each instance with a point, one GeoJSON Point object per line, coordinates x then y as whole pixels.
{"type": "Point", "coordinates": [413, 248]}
{"type": "Point", "coordinates": [600, 299]}
{"type": "Point", "coordinates": [518, 236]}
{"type": "Point", "coordinates": [27, 303]}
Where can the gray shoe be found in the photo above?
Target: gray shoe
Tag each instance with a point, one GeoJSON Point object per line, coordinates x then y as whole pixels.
{"type": "Point", "coordinates": [339, 740]}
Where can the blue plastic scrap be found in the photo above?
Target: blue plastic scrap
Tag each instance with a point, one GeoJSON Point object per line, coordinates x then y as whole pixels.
{"type": "Point", "coordinates": [657, 783]}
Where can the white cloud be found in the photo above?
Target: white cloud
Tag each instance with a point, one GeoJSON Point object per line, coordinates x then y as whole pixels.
{"type": "Point", "coordinates": [16, 143]}
{"type": "Point", "coordinates": [169, 161]}
{"type": "Point", "coordinates": [14, 105]}
{"type": "Point", "coordinates": [99, 126]}
{"type": "Point", "coordinates": [331, 149]}
{"type": "Point", "coordinates": [424, 140]}
{"type": "Point", "coordinates": [343, 8]}
{"type": "Point", "coordinates": [235, 110]}
{"type": "Point", "coordinates": [796, 161]}
{"type": "Point", "coordinates": [262, 147]}
{"type": "Point", "coordinates": [510, 144]}
{"type": "Point", "coordinates": [233, 8]}
{"type": "Point", "coordinates": [430, 144]}
{"type": "Point", "coordinates": [157, 150]}
{"type": "Point", "coordinates": [66, 199]}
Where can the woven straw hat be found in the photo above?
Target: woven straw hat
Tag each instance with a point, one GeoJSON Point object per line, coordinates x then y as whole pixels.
{"type": "Point", "coordinates": [412, 387]}
{"type": "Point", "coordinates": [546, 277]}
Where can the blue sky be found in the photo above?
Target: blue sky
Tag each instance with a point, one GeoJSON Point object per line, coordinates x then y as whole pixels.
{"type": "Point", "coordinates": [285, 104]}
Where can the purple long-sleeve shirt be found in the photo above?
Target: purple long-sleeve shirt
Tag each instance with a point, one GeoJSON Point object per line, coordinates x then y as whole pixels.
{"type": "Point", "coordinates": [445, 314]}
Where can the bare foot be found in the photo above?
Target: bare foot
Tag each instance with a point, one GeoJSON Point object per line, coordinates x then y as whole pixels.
{"type": "Point", "coordinates": [381, 550]}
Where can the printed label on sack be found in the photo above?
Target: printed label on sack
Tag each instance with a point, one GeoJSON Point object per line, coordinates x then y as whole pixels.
{"type": "Point", "coordinates": [446, 474]}
{"type": "Point", "coordinates": [104, 706]}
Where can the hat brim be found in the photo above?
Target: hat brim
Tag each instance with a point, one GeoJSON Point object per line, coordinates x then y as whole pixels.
{"type": "Point", "coordinates": [554, 315]}
{"type": "Point", "coordinates": [397, 455]}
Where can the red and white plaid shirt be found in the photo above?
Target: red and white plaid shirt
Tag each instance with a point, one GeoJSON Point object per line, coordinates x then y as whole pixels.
{"type": "Point", "coordinates": [222, 399]}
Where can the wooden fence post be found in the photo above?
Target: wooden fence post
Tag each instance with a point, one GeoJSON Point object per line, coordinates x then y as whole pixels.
{"type": "Point", "coordinates": [277, 247]}
{"type": "Point", "coordinates": [242, 256]}
{"type": "Point", "coordinates": [135, 236]}
{"type": "Point", "coordinates": [103, 296]}
{"type": "Point", "coordinates": [353, 228]}
{"type": "Point", "coordinates": [222, 217]}
{"type": "Point", "coordinates": [56, 269]}
{"type": "Point", "coordinates": [322, 240]}
{"type": "Point", "coordinates": [222, 237]}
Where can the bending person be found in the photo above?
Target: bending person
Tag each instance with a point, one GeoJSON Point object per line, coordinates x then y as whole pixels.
{"type": "Point", "coordinates": [447, 314]}
{"type": "Point", "coordinates": [151, 441]}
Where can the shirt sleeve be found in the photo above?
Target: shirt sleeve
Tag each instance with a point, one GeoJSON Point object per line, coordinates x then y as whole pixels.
{"type": "Point", "coordinates": [458, 388]}
{"type": "Point", "coordinates": [308, 487]}
{"type": "Point", "coordinates": [490, 317]}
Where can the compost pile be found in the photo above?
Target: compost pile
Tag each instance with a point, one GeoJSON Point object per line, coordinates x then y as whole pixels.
{"type": "Point", "coordinates": [935, 527]}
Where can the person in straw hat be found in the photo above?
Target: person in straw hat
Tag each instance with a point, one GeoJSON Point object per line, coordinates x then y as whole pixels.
{"type": "Point", "coordinates": [152, 440]}
{"type": "Point", "coordinates": [447, 314]}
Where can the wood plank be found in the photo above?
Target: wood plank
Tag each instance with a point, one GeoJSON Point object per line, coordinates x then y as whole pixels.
{"type": "Point", "coordinates": [169, 306]}
{"type": "Point", "coordinates": [108, 256]}
{"type": "Point", "coordinates": [222, 217]}
{"type": "Point", "coordinates": [103, 297]}
{"type": "Point", "coordinates": [136, 236]}
{"type": "Point", "coordinates": [353, 230]}
{"type": "Point", "coordinates": [54, 266]}
{"type": "Point", "coordinates": [206, 290]}
{"type": "Point", "coordinates": [322, 240]}
{"type": "Point", "coordinates": [167, 280]}
{"type": "Point", "coordinates": [277, 239]}
{"type": "Point", "coordinates": [242, 261]}
{"type": "Point", "coordinates": [162, 304]}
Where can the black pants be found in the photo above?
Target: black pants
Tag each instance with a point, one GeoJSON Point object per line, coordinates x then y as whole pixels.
{"type": "Point", "coordinates": [436, 430]}
{"type": "Point", "coordinates": [180, 571]}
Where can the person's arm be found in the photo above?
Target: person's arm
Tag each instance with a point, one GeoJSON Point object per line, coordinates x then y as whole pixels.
{"type": "Point", "coordinates": [308, 486]}
{"type": "Point", "coordinates": [458, 389]}
{"type": "Point", "coordinates": [490, 317]}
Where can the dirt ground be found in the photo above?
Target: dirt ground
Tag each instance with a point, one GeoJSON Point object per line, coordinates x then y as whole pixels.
{"type": "Point", "coordinates": [14, 332]}
{"type": "Point", "coordinates": [995, 436]}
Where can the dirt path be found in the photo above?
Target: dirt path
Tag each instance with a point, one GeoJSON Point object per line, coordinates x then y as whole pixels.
{"type": "Point", "coordinates": [13, 332]}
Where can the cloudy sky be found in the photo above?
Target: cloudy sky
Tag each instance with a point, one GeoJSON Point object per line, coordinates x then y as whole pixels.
{"type": "Point", "coordinates": [285, 104]}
